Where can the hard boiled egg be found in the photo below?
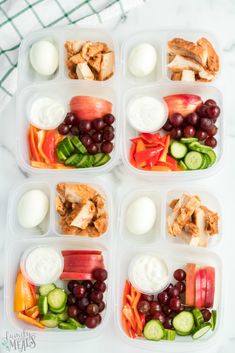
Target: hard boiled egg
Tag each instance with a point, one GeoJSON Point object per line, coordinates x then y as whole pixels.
{"type": "Point", "coordinates": [32, 208]}
{"type": "Point", "coordinates": [142, 60]}
{"type": "Point", "coordinates": [44, 57]}
{"type": "Point", "coordinates": [141, 215]}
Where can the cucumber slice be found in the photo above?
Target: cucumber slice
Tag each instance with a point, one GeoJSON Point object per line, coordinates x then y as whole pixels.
{"type": "Point", "coordinates": [49, 320]}
{"type": "Point", "coordinates": [90, 161]}
{"type": "Point", "coordinates": [75, 323]}
{"type": "Point", "coordinates": [183, 165]}
{"type": "Point", "coordinates": [103, 161]}
{"type": "Point", "coordinates": [198, 317]}
{"type": "Point", "coordinates": [201, 330]}
{"type": "Point", "coordinates": [213, 319]}
{"type": "Point", "coordinates": [68, 144]}
{"type": "Point", "coordinates": [169, 335]}
{"type": "Point", "coordinates": [58, 311]}
{"type": "Point", "coordinates": [66, 326]}
{"type": "Point", "coordinates": [178, 150]}
{"type": "Point", "coordinates": [154, 330]}
{"type": "Point", "coordinates": [57, 298]}
{"type": "Point", "coordinates": [63, 316]}
{"type": "Point", "coordinates": [211, 154]}
{"type": "Point", "coordinates": [61, 150]}
{"type": "Point", "coordinates": [46, 289]}
{"type": "Point", "coordinates": [98, 157]}
{"type": "Point", "coordinates": [183, 322]}
{"type": "Point", "coordinates": [60, 155]}
{"type": "Point", "coordinates": [197, 146]}
{"type": "Point", "coordinates": [43, 305]}
{"type": "Point", "coordinates": [208, 160]}
{"type": "Point", "coordinates": [74, 159]}
{"type": "Point", "coordinates": [79, 146]}
{"type": "Point", "coordinates": [193, 160]}
{"type": "Point", "coordinates": [82, 162]}
{"type": "Point", "coordinates": [188, 139]}
{"type": "Point", "coordinates": [204, 162]}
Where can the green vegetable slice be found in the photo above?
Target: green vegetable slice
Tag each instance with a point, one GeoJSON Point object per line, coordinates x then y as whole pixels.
{"type": "Point", "coordinates": [103, 161]}
{"type": "Point", "coordinates": [183, 322]}
{"type": "Point", "coordinates": [198, 317]}
{"type": "Point", "coordinates": [169, 335]}
{"type": "Point", "coordinates": [49, 320]}
{"type": "Point", "coordinates": [188, 139]}
{"type": "Point", "coordinates": [74, 322]}
{"type": "Point", "coordinates": [193, 160]}
{"type": "Point", "coordinates": [63, 316]}
{"type": "Point", "coordinates": [57, 298]}
{"type": "Point", "coordinates": [46, 289]}
{"type": "Point", "coordinates": [183, 165]}
{"type": "Point", "coordinates": [154, 330]}
{"type": "Point", "coordinates": [66, 326]}
{"type": "Point", "coordinates": [201, 330]}
{"type": "Point", "coordinates": [178, 150]}
{"type": "Point", "coordinates": [43, 304]}
{"type": "Point", "coordinates": [78, 144]}
{"type": "Point", "coordinates": [74, 159]}
{"type": "Point", "coordinates": [213, 319]}
{"type": "Point", "coordinates": [211, 154]}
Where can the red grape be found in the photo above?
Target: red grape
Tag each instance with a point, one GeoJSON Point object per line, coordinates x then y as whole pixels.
{"type": "Point", "coordinates": [211, 142]}
{"type": "Point", "coordinates": [108, 135]}
{"type": "Point", "coordinates": [75, 130]}
{"type": "Point", "coordinates": [106, 147]}
{"type": "Point", "coordinates": [176, 133]}
{"type": "Point", "coordinates": [180, 286]}
{"type": "Point", "coordinates": [97, 136]}
{"type": "Point", "coordinates": [148, 318]}
{"type": "Point", "coordinates": [88, 285]}
{"type": "Point", "coordinates": [168, 323]}
{"type": "Point", "coordinates": [86, 140]}
{"type": "Point", "coordinates": [192, 119]}
{"type": "Point", "coordinates": [159, 316]}
{"type": "Point", "coordinates": [201, 135]}
{"type": "Point", "coordinates": [82, 317]}
{"type": "Point", "coordinates": [82, 303]}
{"type": "Point", "coordinates": [92, 148]}
{"type": "Point", "coordinates": [176, 119]}
{"type": "Point", "coordinates": [210, 102]}
{"type": "Point", "coordinates": [189, 131]}
{"type": "Point", "coordinates": [108, 128]}
{"type": "Point", "coordinates": [163, 297]}
{"type": "Point", "coordinates": [101, 306]}
{"type": "Point", "coordinates": [206, 314]}
{"type": "Point", "coordinates": [167, 126]}
{"type": "Point", "coordinates": [98, 124]}
{"type": "Point", "coordinates": [166, 310]}
{"type": "Point", "coordinates": [147, 297]}
{"type": "Point", "coordinates": [175, 304]}
{"type": "Point", "coordinates": [84, 125]}
{"type": "Point", "coordinates": [213, 111]}
{"type": "Point", "coordinates": [98, 318]}
{"type": "Point", "coordinates": [70, 119]}
{"type": "Point", "coordinates": [92, 309]}
{"type": "Point", "coordinates": [71, 300]}
{"type": "Point", "coordinates": [109, 119]}
{"type": "Point", "coordinates": [100, 274]}
{"type": "Point", "coordinates": [143, 306]}
{"type": "Point", "coordinates": [96, 297]}
{"type": "Point", "coordinates": [179, 274]}
{"type": "Point", "coordinates": [206, 124]}
{"type": "Point", "coordinates": [79, 291]}
{"type": "Point", "coordinates": [100, 286]}
{"type": "Point", "coordinates": [154, 307]}
{"type": "Point", "coordinates": [169, 287]}
{"type": "Point", "coordinates": [173, 292]}
{"type": "Point", "coordinates": [213, 131]}
{"type": "Point", "coordinates": [91, 322]}
{"type": "Point", "coordinates": [73, 311]}
{"type": "Point", "coordinates": [72, 284]}
{"type": "Point", "coordinates": [202, 111]}
{"type": "Point", "coordinates": [63, 129]}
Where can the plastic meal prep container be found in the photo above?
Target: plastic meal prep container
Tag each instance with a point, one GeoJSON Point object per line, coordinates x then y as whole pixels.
{"type": "Point", "coordinates": [20, 241]}
{"type": "Point", "coordinates": [175, 253]}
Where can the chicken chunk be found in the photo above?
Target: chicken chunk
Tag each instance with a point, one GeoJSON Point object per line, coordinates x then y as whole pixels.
{"type": "Point", "coordinates": [82, 216]}
{"type": "Point", "coordinates": [188, 75]}
{"type": "Point", "coordinates": [107, 66]}
{"type": "Point", "coordinates": [84, 72]}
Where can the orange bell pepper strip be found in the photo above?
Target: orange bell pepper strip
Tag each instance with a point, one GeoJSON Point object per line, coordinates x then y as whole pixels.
{"type": "Point", "coordinates": [166, 148]}
{"type": "Point", "coordinates": [24, 297]}
{"type": "Point", "coordinates": [136, 314]}
{"type": "Point", "coordinates": [48, 146]}
{"type": "Point", "coordinates": [29, 320]}
{"type": "Point", "coordinates": [126, 292]}
{"type": "Point", "coordinates": [32, 312]}
{"type": "Point", "coordinates": [41, 139]}
{"type": "Point", "coordinates": [140, 146]}
{"type": "Point", "coordinates": [172, 161]}
{"type": "Point", "coordinates": [32, 140]}
{"type": "Point", "coordinates": [129, 315]}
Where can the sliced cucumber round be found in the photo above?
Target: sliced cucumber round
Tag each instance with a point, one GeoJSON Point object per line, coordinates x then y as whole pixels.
{"type": "Point", "coordinates": [46, 288]}
{"type": "Point", "coordinates": [193, 160]}
{"type": "Point", "coordinates": [49, 320]}
{"type": "Point", "coordinates": [43, 304]}
{"type": "Point", "coordinates": [201, 330]}
{"type": "Point", "coordinates": [198, 317]}
{"type": "Point", "coordinates": [57, 298]}
{"type": "Point", "coordinates": [154, 330]}
{"type": "Point", "coordinates": [178, 150]}
{"type": "Point", "coordinates": [188, 139]}
{"type": "Point", "coordinates": [183, 323]}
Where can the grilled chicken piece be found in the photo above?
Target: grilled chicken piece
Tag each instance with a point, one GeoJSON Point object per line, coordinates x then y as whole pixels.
{"type": "Point", "coordinates": [82, 216]}
{"type": "Point", "coordinates": [212, 57]}
{"type": "Point", "coordinates": [59, 206]}
{"type": "Point", "coordinates": [176, 76]}
{"type": "Point", "coordinates": [191, 229]}
{"type": "Point", "coordinates": [95, 62]}
{"type": "Point", "coordinates": [211, 221]}
{"type": "Point", "coordinates": [107, 66]}
{"type": "Point", "coordinates": [188, 75]}
{"type": "Point", "coordinates": [200, 222]}
{"type": "Point", "coordinates": [73, 47]}
{"type": "Point", "coordinates": [84, 72]}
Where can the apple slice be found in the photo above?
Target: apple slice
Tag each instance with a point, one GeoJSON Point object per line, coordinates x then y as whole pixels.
{"type": "Point", "coordinates": [182, 103]}
{"type": "Point", "coordinates": [203, 279]}
{"type": "Point", "coordinates": [67, 276]}
{"type": "Point", "coordinates": [89, 108]}
{"type": "Point", "coordinates": [190, 284]}
{"type": "Point", "coordinates": [198, 290]}
{"type": "Point", "coordinates": [210, 287]}
{"type": "Point", "coordinates": [84, 257]}
{"type": "Point", "coordinates": [81, 252]}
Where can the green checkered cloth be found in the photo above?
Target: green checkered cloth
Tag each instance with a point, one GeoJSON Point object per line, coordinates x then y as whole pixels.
{"type": "Point", "coordinates": [19, 17]}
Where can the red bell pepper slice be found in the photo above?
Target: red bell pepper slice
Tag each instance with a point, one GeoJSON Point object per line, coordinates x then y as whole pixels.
{"type": "Point", "coordinates": [129, 315]}
{"type": "Point", "coordinates": [145, 155]}
{"type": "Point", "coordinates": [127, 291]}
{"type": "Point", "coordinates": [153, 160]}
{"type": "Point", "coordinates": [132, 154]}
{"type": "Point", "coordinates": [151, 138]}
{"type": "Point", "coordinates": [48, 146]}
{"type": "Point", "coordinates": [166, 148]}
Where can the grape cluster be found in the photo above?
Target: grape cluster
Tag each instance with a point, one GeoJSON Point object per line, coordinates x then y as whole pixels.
{"type": "Point", "coordinates": [85, 301]}
{"type": "Point", "coordinates": [200, 124]}
{"type": "Point", "coordinates": [96, 135]}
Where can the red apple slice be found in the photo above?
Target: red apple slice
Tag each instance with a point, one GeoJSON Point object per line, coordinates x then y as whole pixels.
{"type": "Point", "coordinates": [86, 266]}
{"type": "Point", "coordinates": [84, 257]}
{"type": "Point", "coordinates": [190, 284]}
{"type": "Point", "coordinates": [198, 290]}
{"type": "Point", "coordinates": [81, 252]}
{"type": "Point", "coordinates": [182, 103]}
{"type": "Point", "coordinates": [67, 276]}
{"type": "Point", "coordinates": [203, 278]}
{"type": "Point", "coordinates": [210, 287]}
{"type": "Point", "coordinates": [89, 108]}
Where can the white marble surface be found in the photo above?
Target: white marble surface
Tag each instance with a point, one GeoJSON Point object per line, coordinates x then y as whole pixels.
{"type": "Point", "coordinates": [217, 17]}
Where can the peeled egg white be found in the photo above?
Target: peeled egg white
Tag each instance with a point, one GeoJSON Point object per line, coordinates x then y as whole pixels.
{"type": "Point", "coordinates": [32, 208]}
{"type": "Point", "coordinates": [141, 215]}
{"type": "Point", "coordinates": [44, 57]}
{"type": "Point", "coordinates": [142, 60]}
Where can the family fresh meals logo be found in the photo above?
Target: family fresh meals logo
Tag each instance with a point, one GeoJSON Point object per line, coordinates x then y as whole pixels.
{"type": "Point", "coordinates": [18, 342]}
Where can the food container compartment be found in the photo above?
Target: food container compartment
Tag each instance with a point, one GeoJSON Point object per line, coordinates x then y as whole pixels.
{"type": "Point", "coordinates": [16, 229]}
{"type": "Point", "coordinates": [162, 90]}
{"type": "Point", "coordinates": [64, 91]}
{"type": "Point", "coordinates": [150, 37]}
{"type": "Point", "coordinates": [107, 196]}
{"type": "Point", "coordinates": [58, 37]}
{"type": "Point", "coordinates": [192, 36]}
{"type": "Point", "coordinates": [176, 258]}
{"type": "Point", "coordinates": [208, 199]}
{"type": "Point", "coordinates": [13, 257]}
{"type": "Point", "coordinates": [152, 236]}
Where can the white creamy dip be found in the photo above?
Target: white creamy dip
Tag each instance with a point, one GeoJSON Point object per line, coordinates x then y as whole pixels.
{"type": "Point", "coordinates": [43, 265]}
{"type": "Point", "coordinates": [148, 273]}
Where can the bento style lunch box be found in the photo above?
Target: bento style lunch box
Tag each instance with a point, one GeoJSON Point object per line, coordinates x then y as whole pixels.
{"type": "Point", "coordinates": [80, 107]}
